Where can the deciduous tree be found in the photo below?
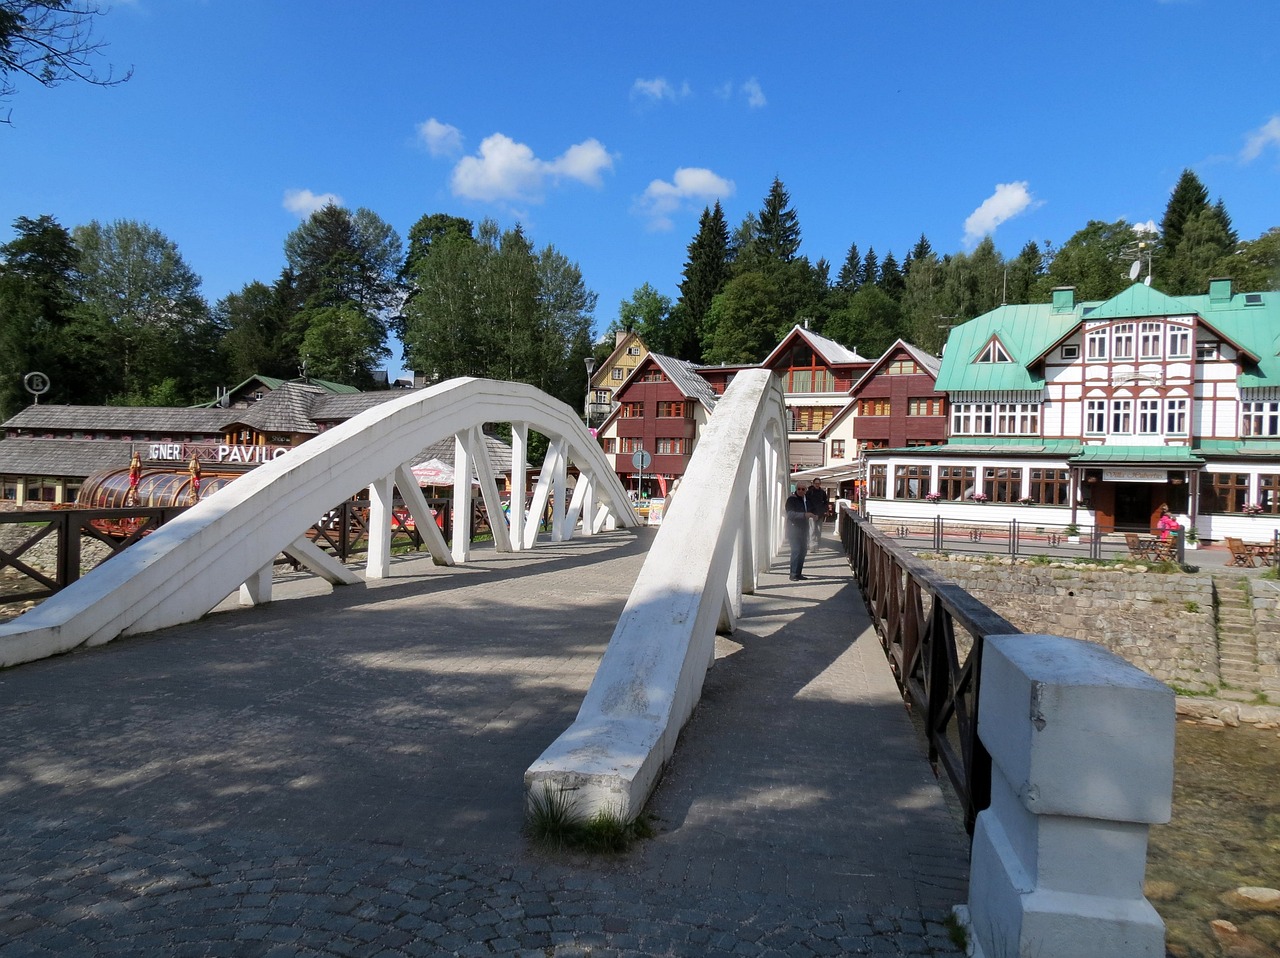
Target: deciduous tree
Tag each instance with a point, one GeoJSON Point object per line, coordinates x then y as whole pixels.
{"type": "Point", "coordinates": [50, 42]}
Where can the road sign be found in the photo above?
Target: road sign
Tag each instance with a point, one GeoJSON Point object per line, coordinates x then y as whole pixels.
{"type": "Point", "coordinates": [641, 459]}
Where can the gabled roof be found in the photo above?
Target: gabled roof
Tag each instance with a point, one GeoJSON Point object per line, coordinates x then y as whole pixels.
{"type": "Point", "coordinates": [685, 376]}
{"type": "Point", "coordinates": [1251, 322]}
{"type": "Point", "coordinates": [832, 353]}
{"type": "Point", "coordinates": [680, 373]}
{"type": "Point", "coordinates": [930, 364]}
{"type": "Point", "coordinates": [1025, 332]}
{"type": "Point", "coordinates": [272, 382]}
{"type": "Point", "coordinates": [287, 408]}
{"type": "Point", "coordinates": [611, 360]}
{"type": "Point", "coordinates": [1248, 321]}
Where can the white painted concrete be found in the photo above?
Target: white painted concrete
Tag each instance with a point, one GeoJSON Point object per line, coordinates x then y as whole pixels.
{"type": "Point", "coordinates": [188, 566]}
{"type": "Point", "coordinates": [652, 672]}
{"type": "Point", "coordinates": [1081, 744]}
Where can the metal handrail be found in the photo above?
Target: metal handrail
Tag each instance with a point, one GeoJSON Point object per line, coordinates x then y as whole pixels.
{"type": "Point", "coordinates": [916, 612]}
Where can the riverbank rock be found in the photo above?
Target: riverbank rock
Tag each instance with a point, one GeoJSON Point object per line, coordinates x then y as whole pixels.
{"type": "Point", "coordinates": [1254, 898]}
{"type": "Point", "coordinates": [1237, 944]}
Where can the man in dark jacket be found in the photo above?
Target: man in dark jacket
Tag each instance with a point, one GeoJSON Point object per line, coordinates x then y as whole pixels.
{"type": "Point", "coordinates": [816, 500]}
{"type": "Point", "coordinates": [797, 517]}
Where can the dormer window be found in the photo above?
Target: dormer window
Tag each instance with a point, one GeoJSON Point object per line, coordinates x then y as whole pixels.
{"type": "Point", "coordinates": [994, 353]}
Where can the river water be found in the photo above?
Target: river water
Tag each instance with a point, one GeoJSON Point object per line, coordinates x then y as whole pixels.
{"type": "Point", "coordinates": [1225, 834]}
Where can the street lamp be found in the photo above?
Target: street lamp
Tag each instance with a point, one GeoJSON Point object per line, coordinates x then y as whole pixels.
{"type": "Point", "coordinates": [586, 402]}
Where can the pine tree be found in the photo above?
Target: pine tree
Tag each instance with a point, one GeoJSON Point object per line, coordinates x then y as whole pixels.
{"type": "Point", "coordinates": [870, 273]}
{"type": "Point", "coordinates": [922, 250]}
{"type": "Point", "coordinates": [851, 272]}
{"type": "Point", "coordinates": [892, 280]}
{"type": "Point", "coordinates": [778, 235]}
{"type": "Point", "coordinates": [705, 273]}
{"type": "Point", "coordinates": [1188, 198]}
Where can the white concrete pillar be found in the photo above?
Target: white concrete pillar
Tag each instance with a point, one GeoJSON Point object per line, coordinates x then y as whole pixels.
{"type": "Point", "coordinates": [1081, 746]}
{"type": "Point", "coordinates": [381, 502]}
{"type": "Point", "coordinates": [559, 475]}
{"type": "Point", "coordinates": [256, 589]}
{"type": "Point", "coordinates": [519, 472]}
{"type": "Point", "coordinates": [461, 501]}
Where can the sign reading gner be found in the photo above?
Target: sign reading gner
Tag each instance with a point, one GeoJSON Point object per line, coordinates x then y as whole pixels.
{"type": "Point", "coordinates": [180, 452]}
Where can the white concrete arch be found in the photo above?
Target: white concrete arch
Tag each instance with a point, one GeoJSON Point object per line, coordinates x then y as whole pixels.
{"type": "Point", "coordinates": [229, 540]}
{"type": "Point", "coordinates": [723, 527]}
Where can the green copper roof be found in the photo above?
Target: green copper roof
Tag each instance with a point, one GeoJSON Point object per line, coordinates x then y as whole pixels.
{"type": "Point", "coordinates": [1025, 332]}
{"type": "Point", "coordinates": [1138, 300]}
{"type": "Point", "coordinates": [1102, 455]}
{"type": "Point", "coordinates": [1249, 320]}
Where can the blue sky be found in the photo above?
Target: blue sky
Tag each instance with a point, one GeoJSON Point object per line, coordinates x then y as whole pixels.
{"type": "Point", "coordinates": [606, 128]}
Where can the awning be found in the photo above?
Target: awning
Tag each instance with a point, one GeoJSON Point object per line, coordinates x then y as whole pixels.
{"type": "Point", "coordinates": [434, 472]}
{"type": "Point", "coordinates": [847, 470]}
{"type": "Point", "coordinates": [1173, 457]}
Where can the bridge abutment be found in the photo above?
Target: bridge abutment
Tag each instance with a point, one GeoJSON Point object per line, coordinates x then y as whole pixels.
{"type": "Point", "coordinates": [1081, 746]}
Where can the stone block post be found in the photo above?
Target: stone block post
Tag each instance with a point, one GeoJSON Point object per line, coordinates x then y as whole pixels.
{"type": "Point", "coordinates": [1081, 747]}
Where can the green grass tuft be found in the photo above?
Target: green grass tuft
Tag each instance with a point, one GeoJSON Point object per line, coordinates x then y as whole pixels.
{"type": "Point", "coordinates": [551, 822]}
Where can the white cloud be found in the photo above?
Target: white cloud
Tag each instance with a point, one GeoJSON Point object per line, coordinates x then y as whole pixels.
{"type": "Point", "coordinates": [659, 88]}
{"type": "Point", "coordinates": [1005, 203]}
{"type": "Point", "coordinates": [302, 203]}
{"type": "Point", "coordinates": [691, 186]}
{"type": "Point", "coordinates": [1266, 135]}
{"type": "Point", "coordinates": [441, 139]}
{"type": "Point", "coordinates": [507, 170]}
{"type": "Point", "coordinates": [754, 94]}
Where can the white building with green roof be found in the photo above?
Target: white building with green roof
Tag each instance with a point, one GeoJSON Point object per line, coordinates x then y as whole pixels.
{"type": "Point", "coordinates": [1099, 413]}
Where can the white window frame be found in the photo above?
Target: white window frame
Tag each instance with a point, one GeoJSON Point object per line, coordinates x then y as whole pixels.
{"type": "Point", "coordinates": [1095, 420]}
{"type": "Point", "coordinates": [1260, 419]}
{"type": "Point", "coordinates": [1175, 416]}
{"type": "Point", "coordinates": [1071, 351]}
{"type": "Point", "coordinates": [1148, 417]}
{"type": "Point", "coordinates": [1096, 345]}
{"type": "Point", "coordinates": [1123, 342]}
{"type": "Point", "coordinates": [1150, 340]}
{"type": "Point", "coordinates": [1122, 417]}
{"type": "Point", "coordinates": [1179, 342]}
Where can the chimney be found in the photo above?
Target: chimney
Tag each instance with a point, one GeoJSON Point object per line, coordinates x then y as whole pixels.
{"type": "Point", "coordinates": [1064, 299]}
{"type": "Point", "coordinates": [1219, 292]}
{"type": "Point", "coordinates": [618, 337]}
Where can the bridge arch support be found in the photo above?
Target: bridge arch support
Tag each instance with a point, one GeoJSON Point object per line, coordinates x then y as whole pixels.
{"type": "Point", "coordinates": [722, 530]}
{"type": "Point", "coordinates": [228, 541]}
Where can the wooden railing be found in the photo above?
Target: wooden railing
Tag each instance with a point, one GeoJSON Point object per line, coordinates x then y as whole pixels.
{"type": "Point", "coordinates": [344, 531]}
{"type": "Point", "coordinates": [933, 634]}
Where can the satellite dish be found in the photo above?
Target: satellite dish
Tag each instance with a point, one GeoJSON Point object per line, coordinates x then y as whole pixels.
{"type": "Point", "coordinates": [1134, 270]}
{"type": "Point", "coordinates": [1147, 281]}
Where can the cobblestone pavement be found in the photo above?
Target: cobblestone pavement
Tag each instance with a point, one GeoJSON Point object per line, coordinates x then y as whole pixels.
{"type": "Point", "coordinates": [341, 775]}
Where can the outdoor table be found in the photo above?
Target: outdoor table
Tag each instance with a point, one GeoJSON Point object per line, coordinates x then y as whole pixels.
{"type": "Point", "coordinates": [1266, 551]}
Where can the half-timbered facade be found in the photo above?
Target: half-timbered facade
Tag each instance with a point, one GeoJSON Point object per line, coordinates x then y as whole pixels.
{"type": "Point", "coordinates": [1106, 411]}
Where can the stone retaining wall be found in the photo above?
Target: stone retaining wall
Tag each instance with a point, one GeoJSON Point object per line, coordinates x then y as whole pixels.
{"type": "Point", "coordinates": [1163, 624]}
{"type": "Point", "coordinates": [1266, 620]}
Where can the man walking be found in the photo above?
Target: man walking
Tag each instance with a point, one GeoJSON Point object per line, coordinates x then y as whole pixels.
{"type": "Point", "coordinates": [816, 500]}
{"type": "Point", "coordinates": [797, 517]}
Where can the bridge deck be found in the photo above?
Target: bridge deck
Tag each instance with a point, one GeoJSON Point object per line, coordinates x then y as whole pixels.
{"type": "Point", "coordinates": [342, 776]}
